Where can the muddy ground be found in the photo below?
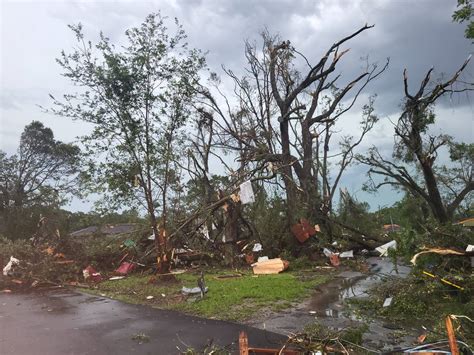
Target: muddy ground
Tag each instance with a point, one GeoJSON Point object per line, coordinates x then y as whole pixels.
{"type": "Point", "coordinates": [327, 307]}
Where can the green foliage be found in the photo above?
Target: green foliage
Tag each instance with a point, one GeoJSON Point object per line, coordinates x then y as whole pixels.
{"type": "Point", "coordinates": [138, 98]}
{"type": "Point", "coordinates": [35, 180]}
{"type": "Point", "coordinates": [318, 335]}
{"type": "Point", "coordinates": [465, 13]}
{"type": "Point", "coordinates": [356, 214]}
{"type": "Point", "coordinates": [422, 300]}
{"type": "Point", "coordinates": [268, 215]}
{"type": "Point", "coordinates": [411, 213]}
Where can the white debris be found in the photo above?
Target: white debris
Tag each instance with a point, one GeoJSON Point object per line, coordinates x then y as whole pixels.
{"type": "Point", "coordinates": [7, 270]}
{"type": "Point", "coordinates": [116, 278]}
{"type": "Point", "coordinates": [387, 302]}
{"type": "Point", "coordinates": [347, 254]}
{"type": "Point", "coordinates": [334, 244]}
{"type": "Point", "coordinates": [246, 193]}
{"type": "Point", "coordinates": [470, 247]}
{"type": "Point", "coordinates": [327, 252]}
{"type": "Point", "coordinates": [262, 258]}
{"type": "Point", "coordinates": [192, 291]}
{"type": "Point", "coordinates": [205, 232]}
{"type": "Point", "coordinates": [383, 249]}
{"type": "Point", "coordinates": [257, 247]}
{"type": "Point", "coordinates": [151, 237]}
{"type": "Point", "coordinates": [149, 297]}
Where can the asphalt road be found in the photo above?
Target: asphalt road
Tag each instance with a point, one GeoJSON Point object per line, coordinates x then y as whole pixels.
{"type": "Point", "coordinates": [68, 322]}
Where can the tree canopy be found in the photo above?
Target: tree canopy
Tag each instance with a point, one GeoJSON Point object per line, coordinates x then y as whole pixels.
{"type": "Point", "coordinates": [138, 98]}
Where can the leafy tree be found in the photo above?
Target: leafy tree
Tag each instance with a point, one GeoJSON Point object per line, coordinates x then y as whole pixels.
{"type": "Point", "coordinates": [464, 13]}
{"type": "Point", "coordinates": [416, 150]}
{"type": "Point", "coordinates": [38, 176]}
{"type": "Point", "coordinates": [137, 97]}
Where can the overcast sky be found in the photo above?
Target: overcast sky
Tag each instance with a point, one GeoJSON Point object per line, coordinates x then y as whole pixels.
{"type": "Point", "coordinates": [416, 35]}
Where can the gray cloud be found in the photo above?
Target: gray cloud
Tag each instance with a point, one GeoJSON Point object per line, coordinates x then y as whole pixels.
{"type": "Point", "coordinates": [415, 34]}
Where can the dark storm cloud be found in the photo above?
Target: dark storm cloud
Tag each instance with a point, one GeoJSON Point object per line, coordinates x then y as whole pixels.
{"type": "Point", "coordinates": [416, 35]}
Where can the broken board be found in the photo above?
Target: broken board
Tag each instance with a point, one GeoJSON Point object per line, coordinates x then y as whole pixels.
{"type": "Point", "coordinates": [271, 266]}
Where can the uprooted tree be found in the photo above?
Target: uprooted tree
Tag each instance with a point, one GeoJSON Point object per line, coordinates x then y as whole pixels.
{"type": "Point", "coordinates": [137, 98]}
{"type": "Point", "coordinates": [414, 166]}
{"type": "Point", "coordinates": [285, 118]}
{"type": "Point", "coordinates": [37, 177]}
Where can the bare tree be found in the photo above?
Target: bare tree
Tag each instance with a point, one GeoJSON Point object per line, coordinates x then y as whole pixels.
{"type": "Point", "coordinates": [443, 188]}
{"type": "Point", "coordinates": [280, 109]}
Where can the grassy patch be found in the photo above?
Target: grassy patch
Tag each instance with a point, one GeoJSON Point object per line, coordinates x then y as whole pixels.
{"type": "Point", "coordinates": [228, 298]}
{"type": "Point", "coordinates": [421, 301]}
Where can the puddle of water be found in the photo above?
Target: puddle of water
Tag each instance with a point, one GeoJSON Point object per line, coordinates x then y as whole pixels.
{"type": "Point", "coordinates": [350, 284]}
{"type": "Point", "coordinates": [326, 306]}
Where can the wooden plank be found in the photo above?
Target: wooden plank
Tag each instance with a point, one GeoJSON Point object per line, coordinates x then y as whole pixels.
{"type": "Point", "coordinates": [272, 266]}
{"type": "Point", "coordinates": [243, 343]}
{"type": "Point", "coordinates": [453, 345]}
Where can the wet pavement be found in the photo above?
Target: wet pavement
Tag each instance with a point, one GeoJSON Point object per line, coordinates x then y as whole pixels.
{"type": "Point", "coordinates": [67, 322]}
{"type": "Point", "coordinates": [326, 307]}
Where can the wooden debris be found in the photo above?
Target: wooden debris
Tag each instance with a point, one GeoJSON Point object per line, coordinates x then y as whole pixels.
{"type": "Point", "coordinates": [453, 345]}
{"type": "Point", "coordinates": [271, 266]}
{"type": "Point", "coordinates": [245, 349]}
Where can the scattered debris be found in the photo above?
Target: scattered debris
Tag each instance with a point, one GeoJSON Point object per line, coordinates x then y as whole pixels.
{"type": "Point", "coordinates": [443, 280]}
{"type": "Point", "coordinates": [193, 291]}
{"type": "Point", "coordinates": [390, 228]}
{"type": "Point", "coordinates": [387, 302]}
{"type": "Point", "coordinates": [141, 338]}
{"type": "Point", "coordinates": [262, 258]}
{"type": "Point", "coordinates": [8, 269]}
{"type": "Point", "coordinates": [149, 297]}
{"type": "Point", "coordinates": [450, 346]}
{"type": "Point", "coordinates": [440, 251]}
{"type": "Point", "coordinates": [271, 266]}
{"type": "Point", "coordinates": [383, 249]}
{"type": "Point", "coordinates": [91, 274]}
{"type": "Point", "coordinates": [470, 248]}
{"type": "Point", "coordinates": [245, 349]}
{"type": "Point", "coordinates": [257, 247]}
{"type": "Point", "coordinates": [421, 338]}
{"type": "Point", "coordinates": [125, 268]}
{"type": "Point", "coordinates": [327, 252]}
{"type": "Point", "coordinates": [347, 254]}
{"type": "Point", "coordinates": [246, 193]}
{"type": "Point", "coordinates": [303, 230]}
{"type": "Point", "coordinates": [334, 259]}
{"type": "Point", "coordinates": [64, 262]}
{"type": "Point", "coordinates": [116, 278]}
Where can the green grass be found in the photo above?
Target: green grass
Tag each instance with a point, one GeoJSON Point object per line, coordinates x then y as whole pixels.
{"type": "Point", "coordinates": [417, 301]}
{"type": "Point", "coordinates": [230, 299]}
